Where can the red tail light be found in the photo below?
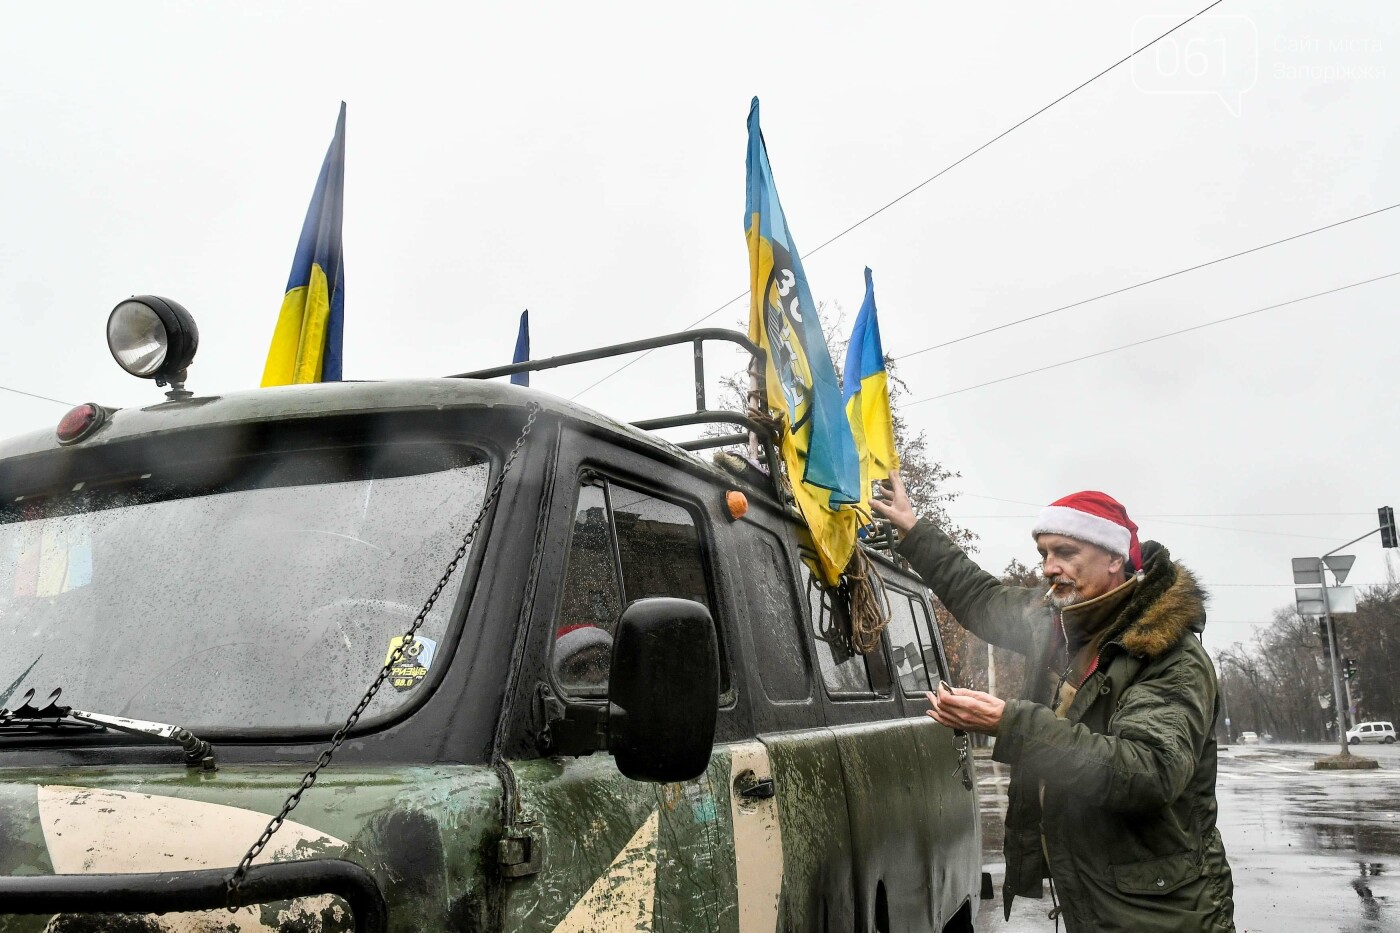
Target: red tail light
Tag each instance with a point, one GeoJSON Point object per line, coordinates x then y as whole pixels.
{"type": "Point", "coordinates": [80, 422]}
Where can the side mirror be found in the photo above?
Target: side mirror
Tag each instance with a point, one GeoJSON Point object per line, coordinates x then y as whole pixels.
{"type": "Point", "coordinates": [663, 690]}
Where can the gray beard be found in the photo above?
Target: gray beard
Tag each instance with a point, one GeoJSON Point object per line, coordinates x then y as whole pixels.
{"type": "Point", "coordinates": [1064, 602]}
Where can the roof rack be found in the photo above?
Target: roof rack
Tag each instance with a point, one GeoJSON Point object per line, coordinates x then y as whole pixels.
{"type": "Point", "coordinates": [702, 413]}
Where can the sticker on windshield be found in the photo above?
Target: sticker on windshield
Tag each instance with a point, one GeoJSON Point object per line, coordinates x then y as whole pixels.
{"type": "Point", "coordinates": [413, 666]}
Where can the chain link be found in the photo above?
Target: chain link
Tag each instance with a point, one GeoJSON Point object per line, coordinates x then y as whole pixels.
{"type": "Point", "coordinates": [308, 780]}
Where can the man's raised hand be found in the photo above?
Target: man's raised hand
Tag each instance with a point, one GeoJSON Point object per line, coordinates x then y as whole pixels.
{"type": "Point", "coordinates": [893, 504]}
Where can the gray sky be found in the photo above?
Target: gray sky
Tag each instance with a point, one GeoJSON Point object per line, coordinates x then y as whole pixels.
{"type": "Point", "coordinates": [587, 161]}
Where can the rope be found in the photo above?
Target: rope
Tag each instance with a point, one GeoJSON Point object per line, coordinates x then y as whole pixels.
{"type": "Point", "coordinates": [870, 610]}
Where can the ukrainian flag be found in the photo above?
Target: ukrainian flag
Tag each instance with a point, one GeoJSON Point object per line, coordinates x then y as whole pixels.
{"type": "Point", "coordinates": [867, 391]}
{"type": "Point", "coordinates": [801, 381]}
{"type": "Point", "coordinates": [306, 341]}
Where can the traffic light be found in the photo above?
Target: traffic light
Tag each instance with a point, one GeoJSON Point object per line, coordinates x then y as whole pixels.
{"type": "Point", "coordinates": [1388, 536]}
{"type": "Point", "coordinates": [1322, 636]}
{"type": "Point", "coordinates": [1348, 668]}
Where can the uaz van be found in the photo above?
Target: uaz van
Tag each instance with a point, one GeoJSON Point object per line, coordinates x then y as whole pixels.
{"type": "Point", "coordinates": [626, 705]}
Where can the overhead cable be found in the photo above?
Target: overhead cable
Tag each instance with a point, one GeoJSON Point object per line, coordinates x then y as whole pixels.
{"type": "Point", "coordinates": [1138, 343]}
{"type": "Point", "coordinates": [1128, 288]}
{"type": "Point", "coordinates": [973, 495]}
{"type": "Point", "coordinates": [934, 177]}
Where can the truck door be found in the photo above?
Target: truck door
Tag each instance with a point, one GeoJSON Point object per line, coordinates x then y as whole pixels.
{"type": "Point", "coordinates": [892, 823]}
{"type": "Point", "coordinates": [591, 849]}
{"type": "Point", "coordinates": [792, 851]}
{"type": "Point", "coordinates": [950, 809]}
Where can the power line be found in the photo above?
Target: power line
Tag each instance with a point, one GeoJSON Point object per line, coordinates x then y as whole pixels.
{"type": "Point", "coordinates": [934, 177]}
{"type": "Point", "coordinates": [1253, 514]}
{"type": "Point", "coordinates": [1190, 514]}
{"type": "Point", "coordinates": [973, 495]}
{"type": "Point", "coordinates": [1164, 520]}
{"type": "Point", "coordinates": [1128, 288]}
{"type": "Point", "coordinates": [1281, 585]}
{"type": "Point", "coordinates": [33, 395]}
{"type": "Point", "coordinates": [1138, 343]}
{"type": "Point", "coordinates": [1167, 521]}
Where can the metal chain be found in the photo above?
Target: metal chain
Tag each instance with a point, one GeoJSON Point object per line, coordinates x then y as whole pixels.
{"type": "Point", "coordinates": [235, 880]}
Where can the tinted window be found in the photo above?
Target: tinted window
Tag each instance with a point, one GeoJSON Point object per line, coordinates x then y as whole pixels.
{"type": "Point", "coordinates": [659, 548]}
{"type": "Point", "coordinates": [591, 604]}
{"type": "Point", "coordinates": [915, 658]}
{"type": "Point", "coordinates": [774, 617]}
{"type": "Point", "coordinates": [843, 671]}
{"type": "Point", "coordinates": [626, 545]}
{"type": "Point", "coordinates": [928, 632]}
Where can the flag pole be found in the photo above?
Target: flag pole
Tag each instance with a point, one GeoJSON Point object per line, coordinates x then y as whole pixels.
{"type": "Point", "coordinates": [757, 407]}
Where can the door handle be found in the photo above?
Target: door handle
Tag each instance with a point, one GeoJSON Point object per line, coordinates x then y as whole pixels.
{"type": "Point", "coordinates": [760, 789]}
{"type": "Point", "coordinates": [752, 787]}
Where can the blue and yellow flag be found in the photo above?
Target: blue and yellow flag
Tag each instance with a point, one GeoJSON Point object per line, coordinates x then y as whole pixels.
{"type": "Point", "coordinates": [801, 382]}
{"type": "Point", "coordinates": [522, 349]}
{"type": "Point", "coordinates": [867, 391]}
{"type": "Point", "coordinates": [306, 341]}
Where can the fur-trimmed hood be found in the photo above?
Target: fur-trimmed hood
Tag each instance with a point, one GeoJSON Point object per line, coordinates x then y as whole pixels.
{"type": "Point", "coordinates": [1166, 604]}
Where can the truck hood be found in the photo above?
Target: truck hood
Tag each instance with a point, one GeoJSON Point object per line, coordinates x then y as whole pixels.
{"type": "Point", "coordinates": [411, 828]}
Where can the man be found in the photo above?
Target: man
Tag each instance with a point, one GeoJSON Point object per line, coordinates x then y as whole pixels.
{"type": "Point", "coordinates": [1112, 746]}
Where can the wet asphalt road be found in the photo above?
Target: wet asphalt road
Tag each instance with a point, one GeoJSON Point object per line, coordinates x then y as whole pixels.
{"type": "Point", "coordinates": [1310, 850]}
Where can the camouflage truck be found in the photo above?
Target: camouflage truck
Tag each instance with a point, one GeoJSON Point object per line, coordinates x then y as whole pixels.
{"type": "Point", "coordinates": [626, 707]}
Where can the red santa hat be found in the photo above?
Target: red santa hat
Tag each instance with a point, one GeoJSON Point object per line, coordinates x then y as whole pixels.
{"type": "Point", "coordinates": [1094, 517]}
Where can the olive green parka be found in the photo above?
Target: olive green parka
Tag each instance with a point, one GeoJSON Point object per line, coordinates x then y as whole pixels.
{"type": "Point", "coordinates": [1126, 831]}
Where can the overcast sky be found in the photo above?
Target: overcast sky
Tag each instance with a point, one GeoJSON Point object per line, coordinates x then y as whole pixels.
{"type": "Point", "coordinates": [587, 161]}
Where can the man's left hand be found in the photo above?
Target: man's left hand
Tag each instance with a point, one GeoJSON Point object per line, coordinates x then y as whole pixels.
{"type": "Point", "coordinates": [970, 710]}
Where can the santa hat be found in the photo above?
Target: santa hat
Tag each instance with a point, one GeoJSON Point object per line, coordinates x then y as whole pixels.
{"type": "Point", "coordinates": [1093, 517]}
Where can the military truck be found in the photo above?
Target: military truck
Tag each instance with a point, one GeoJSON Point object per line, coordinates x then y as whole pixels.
{"type": "Point", "coordinates": [448, 654]}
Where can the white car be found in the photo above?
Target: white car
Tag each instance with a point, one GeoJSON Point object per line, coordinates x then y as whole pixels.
{"type": "Point", "coordinates": [1372, 732]}
{"type": "Point", "coordinates": [1249, 738]}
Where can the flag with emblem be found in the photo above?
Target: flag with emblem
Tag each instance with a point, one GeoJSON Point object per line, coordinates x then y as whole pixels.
{"type": "Point", "coordinates": [306, 341]}
{"type": "Point", "coordinates": [800, 379]}
{"type": "Point", "coordinates": [867, 391]}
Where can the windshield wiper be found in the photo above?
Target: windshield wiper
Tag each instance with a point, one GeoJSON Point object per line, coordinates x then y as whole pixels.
{"type": "Point", "coordinates": [29, 719]}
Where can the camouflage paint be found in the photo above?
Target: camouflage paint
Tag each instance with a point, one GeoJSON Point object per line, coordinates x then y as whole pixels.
{"type": "Point", "coordinates": [622, 855]}
{"type": "Point", "coordinates": [906, 830]}
{"type": "Point", "coordinates": [811, 797]}
{"type": "Point", "coordinates": [428, 835]}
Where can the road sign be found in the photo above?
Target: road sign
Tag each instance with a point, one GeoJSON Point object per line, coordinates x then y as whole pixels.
{"type": "Point", "coordinates": [1306, 571]}
{"type": "Point", "coordinates": [1310, 600]}
{"type": "Point", "coordinates": [1340, 565]}
{"type": "Point", "coordinates": [1387, 517]}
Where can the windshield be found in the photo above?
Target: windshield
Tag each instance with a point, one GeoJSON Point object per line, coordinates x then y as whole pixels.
{"type": "Point", "coordinates": [235, 593]}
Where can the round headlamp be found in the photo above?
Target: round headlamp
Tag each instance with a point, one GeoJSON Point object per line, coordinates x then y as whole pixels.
{"type": "Point", "coordinates": [152, 337]}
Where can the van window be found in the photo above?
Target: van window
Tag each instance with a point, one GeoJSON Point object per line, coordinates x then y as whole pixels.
{"type": "Point", "coordinates": [626, 545]}
{"type": "Point", "coordinates": [915, 657]}
{"type": "Point", "coordinates": [775, 618]}
{"type": "Point", "coordinates": [934, 661]}
{"type": "Point", "coordinates": [844, 672]}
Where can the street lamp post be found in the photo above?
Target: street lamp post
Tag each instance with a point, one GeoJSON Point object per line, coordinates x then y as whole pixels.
{"type": "Point", "coordinates": [1332, 656]}
{"type": "Point", "coordinates": [1304, 569]}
